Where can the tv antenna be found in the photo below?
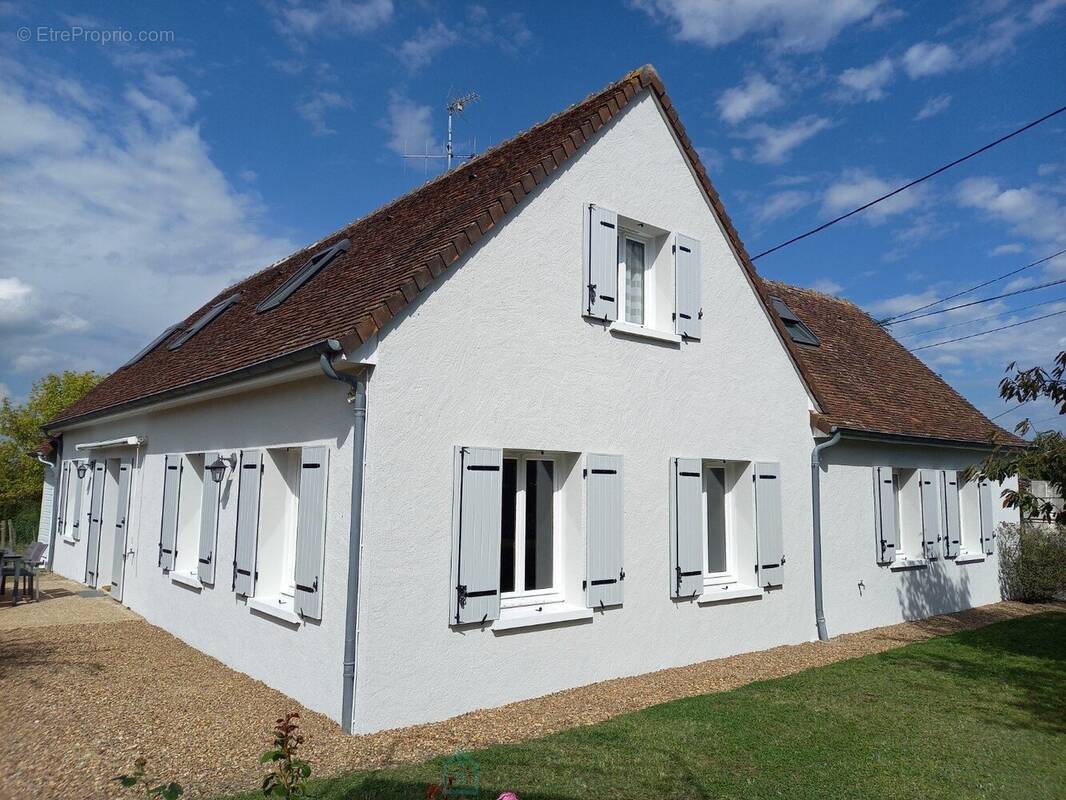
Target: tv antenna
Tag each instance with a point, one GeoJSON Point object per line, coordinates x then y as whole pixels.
{"type": "Point", "coordinates": [455, 106]}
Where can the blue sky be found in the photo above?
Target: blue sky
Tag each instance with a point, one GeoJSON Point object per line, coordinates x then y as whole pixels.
{"type": "Point", "coordinates": [140, 177]}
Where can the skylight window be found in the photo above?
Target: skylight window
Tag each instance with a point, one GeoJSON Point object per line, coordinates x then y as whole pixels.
{"type": "Point", "coordinates": [798, 332]}
{"type": "Point", "coordinates": [314, 265]}
{"type": "Point", "coordinates": [215, 312]}
{"type": "Point", "coordinates": [152, 345]}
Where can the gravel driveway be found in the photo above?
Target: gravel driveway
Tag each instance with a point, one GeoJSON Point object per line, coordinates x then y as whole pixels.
{"type": "Point", "coordinates": [204, 725]}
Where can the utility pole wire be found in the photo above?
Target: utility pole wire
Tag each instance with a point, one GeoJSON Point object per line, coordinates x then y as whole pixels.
{"type": "Point", "coordinates": [973, 288]}
{"type": "Point", "coordinates": [985, 333]}
{"type": "Point", "coordinates": [915, 182]}
{"type": "Point", "coordinates": [984, 319]}
{"type": "Point", "coordinates": [975, 302]}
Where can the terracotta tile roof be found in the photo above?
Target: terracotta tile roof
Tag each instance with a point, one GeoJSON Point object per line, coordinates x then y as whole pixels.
{"type": "Point", "coordinates": [861, 379]}
{"type": "Point", "coordinates": [395, 253]}
{"type": "Point", "coordinates": [865, 380]}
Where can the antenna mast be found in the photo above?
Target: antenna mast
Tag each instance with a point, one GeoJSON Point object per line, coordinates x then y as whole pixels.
{"type": "Point", "coordinates": [455, 106]}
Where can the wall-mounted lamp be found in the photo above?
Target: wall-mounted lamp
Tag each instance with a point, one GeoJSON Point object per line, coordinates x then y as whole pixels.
{"type": "Point", "coordinates": [83, 467]}
{"type": "Point", "coordinates": [218, 468]}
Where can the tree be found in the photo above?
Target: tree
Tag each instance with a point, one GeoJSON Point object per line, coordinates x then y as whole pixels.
{"type": "Point", "coordinates": [1045, 459]}
{"type": "Point", "coordinates": [21, 475]}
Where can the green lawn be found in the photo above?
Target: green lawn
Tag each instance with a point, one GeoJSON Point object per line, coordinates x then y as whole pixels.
{"type": "Point", "coordinates": [978, 714]}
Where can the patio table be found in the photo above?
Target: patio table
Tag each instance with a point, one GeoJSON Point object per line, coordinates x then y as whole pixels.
{"type": "Point", "coordinates": [6, 556]}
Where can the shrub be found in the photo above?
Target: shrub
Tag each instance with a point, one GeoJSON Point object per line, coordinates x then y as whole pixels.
{"type": "Point", "coordinates": [1032, 562]}
{"type": "Point", "coordinates": [140, 780]}
{"type": "Point", "coordinates": [288, 773]}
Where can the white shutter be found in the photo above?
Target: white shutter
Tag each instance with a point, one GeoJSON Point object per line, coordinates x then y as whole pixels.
{"type": "Point", "coordinates": [244, 548]}
{"type": "Point", "coordinates": [686, 527]}
{"type": "Point", "coordinates": [79, 494]}
{"type": "Point", "coordinates": [885, 515]}
{"type": "Point", "coordinates": [988, 527]}
{"type": "Point", "coordinates": [168, 527]}
{"type": "Point", "coordinates": [768, 524]}
{"type": "Point", "coordinates": [600, 290]}
{"type": "Point", "coordinates": [604, 522]}
{"type": "Point", "coordinates": [64, 490]}
{"type": "Point", "coordinates": [53, 478]}
{"type": "Point", "coordinates": [688, 311]}
{"type": "Point", "coordinates": [476, 517]}
{"type": "Point", "coordinates": [209, 502]}
{"type": "Point", "coordinates": [118, 549]}
{"type": "Point", "coordinates": [928, 483]}
{"type": "Point", "coordinates": [949, 480]}
{"type": "Point", "coordinates": [96, 519]}
{"type": "Point", "coordinates": [311, 531]}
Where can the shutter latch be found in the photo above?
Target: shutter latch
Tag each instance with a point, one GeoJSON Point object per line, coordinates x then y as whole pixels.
{"type": "Point", "coordinates": [622, 574]}
{"type": "Point", "coordinates": [592, 295]}
{"type": "Point", "coordinates": [460, 595]}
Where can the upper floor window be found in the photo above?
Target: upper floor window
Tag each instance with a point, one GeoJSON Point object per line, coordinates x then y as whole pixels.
{"type": "Point", "coordinates": [641, 279]}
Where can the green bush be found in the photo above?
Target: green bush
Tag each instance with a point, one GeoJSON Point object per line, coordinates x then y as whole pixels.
{"type": "Point", "coordinates": [1032, 562]}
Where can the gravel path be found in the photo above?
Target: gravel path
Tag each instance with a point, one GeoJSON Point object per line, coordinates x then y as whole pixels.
{"type": "Point", "coordinates": [205, 725]}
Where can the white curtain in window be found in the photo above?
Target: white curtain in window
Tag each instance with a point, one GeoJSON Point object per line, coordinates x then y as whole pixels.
{"type": "Point", "coordinates": [634, 255]}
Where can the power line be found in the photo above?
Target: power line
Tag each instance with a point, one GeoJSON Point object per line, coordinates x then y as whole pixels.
{"type": "Point", "coordinates": [1004, 413]}
{"type": "Point", "coordinates": [974, 302]}
{"type": "Point", "coordinates": [985, 319]}
{"type": "Point", "coordinates": [973, 288]}
{"type": "Point", "coordinates": [915, 182]}
{"type": "Point", "coordinates": [985, 333]}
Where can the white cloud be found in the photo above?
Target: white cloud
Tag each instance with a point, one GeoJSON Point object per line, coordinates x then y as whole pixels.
{"type": "Point", "coordinates": [754, 97]}
{"type": "Point", "coordinates": [14, 295]}
{"type": "Point", "coordinates": [790, 25]}
{"type": "Point", "coordinates": [934, 106]}
{"type": "Point", "coordinates": [782, 204]}
{"type": "Point", "coordinates": [150, 227]}
{"type": "Point", "coordinates": [1007, 249]}
{"type": "Point", "coordinates": [774, 144]}
{"type": "Point", "coordinates": [928, 58]}
{"type": "Point", "coordinates": [867, 83]}
{"type": "Point", "coordinates": [314, 110]}
{"type": "Point", "coordinates": [827, 286]}
{"type": "Point", "coordinates": [409, 125]}
{"type": "Point", "coordinates": [331, 17]}
{"type": "Point", "coordinates": [856, 187]}
{"type": "Point", "coordinates": [1028, 211]}
{"type": "Point", "coordinates": [421, 48]}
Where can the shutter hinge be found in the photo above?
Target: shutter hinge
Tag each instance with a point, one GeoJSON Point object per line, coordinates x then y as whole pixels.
{"type": "Point", "coordinates": [700, 315]}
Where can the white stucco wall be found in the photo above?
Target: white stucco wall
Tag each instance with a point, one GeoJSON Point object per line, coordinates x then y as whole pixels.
{"type": "Point", "coordinates": [887, 595]}
{"type": "Point", "coordinates": [498, 355]}
{"type": "Point", "coordinates": [302, 661]}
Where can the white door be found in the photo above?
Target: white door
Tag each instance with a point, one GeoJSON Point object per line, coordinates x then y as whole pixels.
{"type": "Point", "coordinates": [118, 556]}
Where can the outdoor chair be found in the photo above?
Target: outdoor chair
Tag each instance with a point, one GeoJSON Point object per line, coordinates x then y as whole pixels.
{"type": "Point", "coordinates": [25, 567]}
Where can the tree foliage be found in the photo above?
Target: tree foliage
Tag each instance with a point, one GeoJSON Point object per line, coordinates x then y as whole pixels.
{"type": "Point", "coordinates": [21, 474]}
{"type": "Point", "coordinates": [1045, 459]}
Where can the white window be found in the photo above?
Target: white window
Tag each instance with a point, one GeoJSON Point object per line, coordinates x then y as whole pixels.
{"type": "Point", "coordinates": [633, 275]}
{"type": "Point", "coordinates": [531, 535]}
{"type": "Point", "coordinates": [645, 283]}
{"type": "Point", "coordinates": [276, 556]}
{"type": "Point", "coordinates": [190, 499]}
{"type": "Point", "coordinates": [719, 533]}
{"type": "Point", "coordinates": [970, 518]}
{"type": "Point", "coordinates": [910, 531]}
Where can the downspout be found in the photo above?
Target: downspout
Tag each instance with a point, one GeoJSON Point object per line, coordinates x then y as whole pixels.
{"type": "Point", "coordinates": [816, 497]}
{"type": "Point", "coordinates": [357, 399]}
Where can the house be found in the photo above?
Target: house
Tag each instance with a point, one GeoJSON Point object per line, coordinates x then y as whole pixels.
{"type": "Point", "coordinates": [538, 423]}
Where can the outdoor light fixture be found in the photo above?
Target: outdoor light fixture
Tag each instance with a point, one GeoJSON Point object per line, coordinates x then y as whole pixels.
{"type": "Point", "coordinates": [218, 468]}
{"type": "Point", "coordinates": [83, 467]}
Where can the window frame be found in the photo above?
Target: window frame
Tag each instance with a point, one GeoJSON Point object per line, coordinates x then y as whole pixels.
{"type": "Point", "coordinates": [648, 287]}
{"type": "Point", "coordinates": [907, 508]}
{"type": "Point", "coordinates": [731, 574]}
{"type": "Point", "coordinates": [554, 593]}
